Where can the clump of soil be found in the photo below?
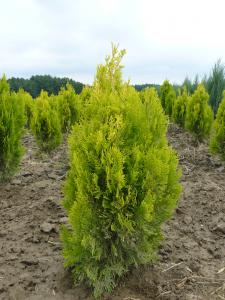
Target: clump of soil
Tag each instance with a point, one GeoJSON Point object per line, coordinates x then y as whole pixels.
{"type": "Point", "coordinates": [191, 263]}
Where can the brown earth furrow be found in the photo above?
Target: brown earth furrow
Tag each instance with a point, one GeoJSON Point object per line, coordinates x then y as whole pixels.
{"type": "Point", "coordinates": [191, 258]}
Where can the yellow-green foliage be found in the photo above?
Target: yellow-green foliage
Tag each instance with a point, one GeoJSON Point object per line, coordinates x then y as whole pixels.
{"type": "Point", "coordinates": [179, 107]}
{"type": "Point", "coordinates": [68, 107]}
{"type": "Point", "coordinates": [199, 115]}
{"type": "Point", "coordinates": [29, 103]}
{"type": "Point", "coordinates": [108, 76]}
{"type": "Point", "coordinates": [45, 122]}
{"type": "Point", "coordinates": [122, 183]}
{"type": "Point", "coordinates": [85, 94]}
{"type": "Point", "coordinates": [157, 119]}
{"type": "Point", "coordinates": [217, 138]}
{"type": "Point", "coordinates": [168, 97]}
{"type": "Point", "coordinates": [12, 121]}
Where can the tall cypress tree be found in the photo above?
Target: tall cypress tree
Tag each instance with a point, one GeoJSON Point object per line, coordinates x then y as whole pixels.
{"type": "Point", "coordinates": [215, 85]}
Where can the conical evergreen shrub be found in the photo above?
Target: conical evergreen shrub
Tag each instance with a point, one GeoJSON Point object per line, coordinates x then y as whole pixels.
{"type": "Point", "coordinates": [168, 97]}
{"type": "Point", "coordinates": [156, 117]}
{"type": "Point", "coordinates": [122, 183]}
{"type": "Point", "coordinates": [68, 107]}
{"type": "Point", "coordinates": [85, 94]}
{"type": "Point", "coordinates": [199, 115]}
{"type": "Point", "coordinates": [180, 107]}
{"type": "Point", "coordinates": [29, 104]}
{"type": "Point", "coordinates": [217, 138]}
{"type": "Point", "coordinates": [45, 123]}
{"type": "Point", "coordinates": [12, 121]}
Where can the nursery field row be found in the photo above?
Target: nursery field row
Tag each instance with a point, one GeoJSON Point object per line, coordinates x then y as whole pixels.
{"type": "Point", "coordinates": [121, 179]}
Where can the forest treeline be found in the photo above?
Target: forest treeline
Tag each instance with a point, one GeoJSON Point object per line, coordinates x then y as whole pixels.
{"type": "Point", "coordinates": [214, 84]}
{"type": "Point", "coordinates": [36, 83]}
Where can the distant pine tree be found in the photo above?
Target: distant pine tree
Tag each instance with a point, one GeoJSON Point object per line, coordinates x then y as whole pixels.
{"type": "Point", "coordinates": [215, 85]}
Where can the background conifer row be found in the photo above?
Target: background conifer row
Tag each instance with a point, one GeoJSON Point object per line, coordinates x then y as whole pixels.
{"type": "Point", "coordinates": [48, 117]}
{"type": "Point", "coordinates": [63, 110]}
{"type": "Point", "coordinates": [194, 113]}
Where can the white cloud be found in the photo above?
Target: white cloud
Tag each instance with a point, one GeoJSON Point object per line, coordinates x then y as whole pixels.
{"type": "Point", "coordinates": [164, 39]}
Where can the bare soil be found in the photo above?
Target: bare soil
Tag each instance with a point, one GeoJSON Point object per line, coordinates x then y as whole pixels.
{"type": "Point", "coordinates": [191, 263]}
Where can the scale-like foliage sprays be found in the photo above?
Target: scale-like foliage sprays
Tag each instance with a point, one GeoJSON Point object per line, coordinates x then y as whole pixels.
{"type": "Point", "coordinates": [85, 94]}
{"type": "Point", "coordinates": [168, 97]}
{"type": "Point", "coordinates": [68, 107]}
{"type": "Point", "coordinates": [122, 183]}
{"type": "Point", "coordinates": [217, 138]}
{"type": "Point", "coordinates": [156, 116]}
{"type": "Point", "coordinates": [45, 123]}
{"type": "Point", "coordinates": [29, 104]}
{"type": "Point", "coordinates": [180, 107]}
{"type": "Point", "coordinates": [199, 115]}
{"type": "Point", "coordinates": [12, 121]}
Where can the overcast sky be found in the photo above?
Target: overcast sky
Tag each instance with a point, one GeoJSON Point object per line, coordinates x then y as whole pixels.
{"type": "Point", "coordinates": [163, 39]}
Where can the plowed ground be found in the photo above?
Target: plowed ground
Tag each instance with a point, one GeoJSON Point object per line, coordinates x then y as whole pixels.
{"type": "Point", "coordinates": [191, 261]}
